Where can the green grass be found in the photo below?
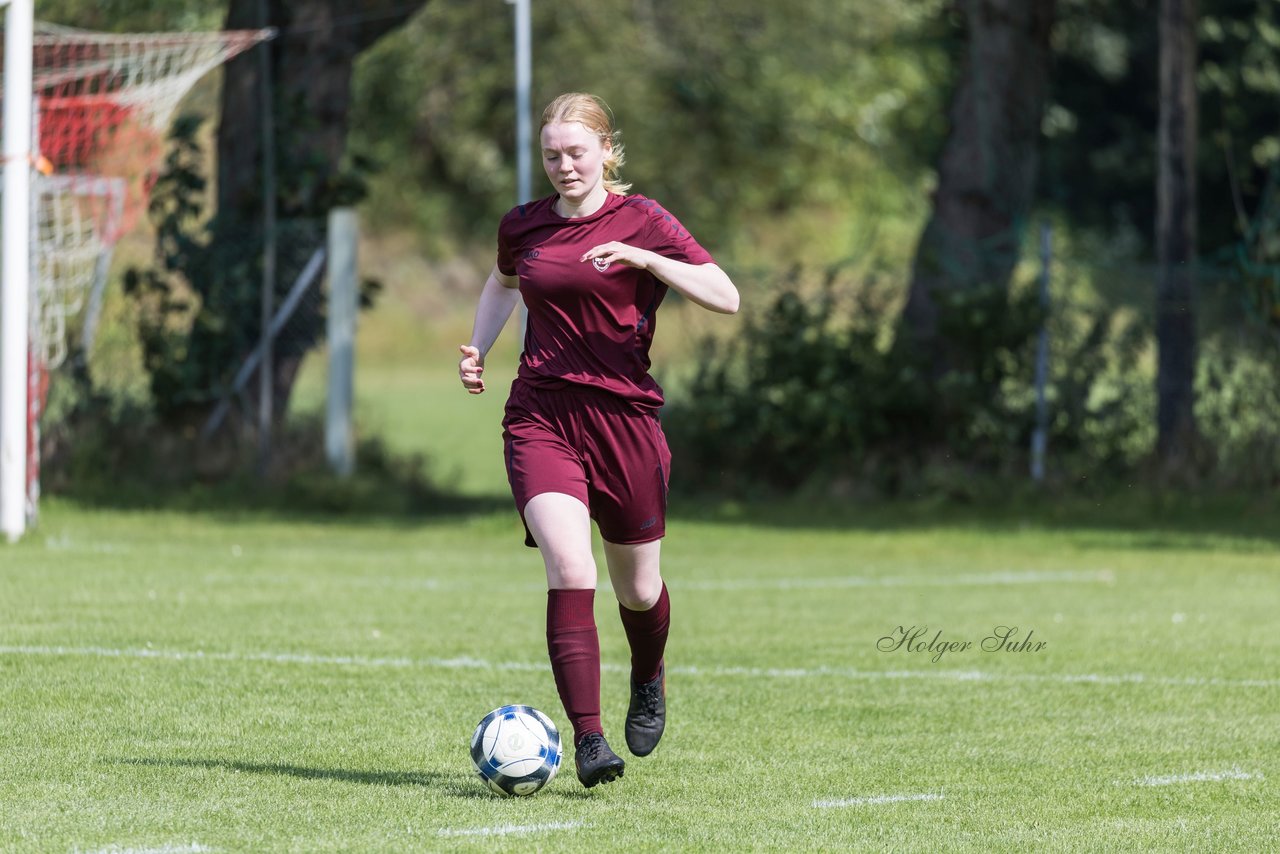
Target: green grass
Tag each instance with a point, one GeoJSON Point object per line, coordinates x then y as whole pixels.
{"type": "Point", "coordinates": [236, 681]}
{"type": "Point", "coordinates": [255, 684]}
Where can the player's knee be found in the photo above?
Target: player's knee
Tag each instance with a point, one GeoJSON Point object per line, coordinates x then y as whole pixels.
{"type": "Point", "coordinates": [571, 572]}
{"type": "Point", "coordinates": [639, 596]}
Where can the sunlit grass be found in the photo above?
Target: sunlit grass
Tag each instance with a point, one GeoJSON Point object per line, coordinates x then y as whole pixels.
{"type": "Point", "coordinates": [246, 683]}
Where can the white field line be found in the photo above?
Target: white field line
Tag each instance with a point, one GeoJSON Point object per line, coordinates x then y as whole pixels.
{"type": "Point", "coordinates": [63, 542]}
{"type": "Point", "coordinates": [1105, 576]}
{"type": "Point", "coordinates": [468, 663]}
{"type": "Point", "coordinates": [370, 581]}
{"type": "Point", "coordinates": [877, 799]}
{"type": "Point", "coordinates": [510, 829]}
{"type": "Point", "coordinates": [840, 582]}
{"type": "Point", "coordinates": [1198, 777]}
{"type": "Point", "coordinates": [193, 848]}
{"type": "Point", "coordinates": [822, 583]}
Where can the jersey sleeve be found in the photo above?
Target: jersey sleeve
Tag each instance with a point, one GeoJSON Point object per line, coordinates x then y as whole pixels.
{"type": "Point", "coordinates": [506, 262]}
{"type": "Point", "coordinates": [669, 238]}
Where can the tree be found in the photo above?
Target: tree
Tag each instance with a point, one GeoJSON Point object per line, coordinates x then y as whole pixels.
{"type": "Point", "coordinates": [132, 16]}
{"type": "Point", "coordinates": [1098, 170]}
{"type": "Point", "coordinates": [987, 168]}
{"type": "Point", "coordinates": [1176, 233]}
{"type": "Point", "coordinates": [311, 60]}
{"type": "Point", "coordinates": [789, 130]}
{"type": "Point", "coordinates": [200, 305]}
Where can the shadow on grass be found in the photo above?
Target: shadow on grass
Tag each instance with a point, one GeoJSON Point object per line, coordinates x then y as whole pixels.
{"type": "Point", "coordinates": [430, 779]}
{"type": "Point", "coordinates": [320, 498]}
{"type": "Point", "coordinates": [102, 463]}
{"type": "Point", "coordinates": [409, 491]}
{"type": "Point", "coordinates": [1136, 519]}
{"type": "Point", "coordinates": [1129, 518]}
{"type": "Point", "coordinates": [456, 784]}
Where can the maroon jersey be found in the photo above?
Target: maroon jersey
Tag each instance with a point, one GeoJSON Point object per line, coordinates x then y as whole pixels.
{"type": "Point", "coordinates": [591, 323]}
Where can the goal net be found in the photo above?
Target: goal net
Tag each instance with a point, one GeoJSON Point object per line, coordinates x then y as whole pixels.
{"type": "Point", "coordinates": [101, 105]}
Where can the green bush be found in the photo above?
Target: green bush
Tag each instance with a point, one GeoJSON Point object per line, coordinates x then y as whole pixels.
{"type": "Point", "coordinates": [810, 392]}
{"type": "Point", "coordinates": [1238, 410]}
{"type": "Point", "coordinates": [813, 396]}
{"type": "Point", "coordinates": [97, 449]}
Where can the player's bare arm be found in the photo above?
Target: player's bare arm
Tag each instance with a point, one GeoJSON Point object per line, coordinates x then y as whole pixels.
{"type": "Point", "coordinates": [496, 303]}
{"type": "Point", "coordinates": [704, 284]}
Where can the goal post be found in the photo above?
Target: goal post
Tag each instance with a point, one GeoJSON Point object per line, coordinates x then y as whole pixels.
{"type": "Point", "coordinates": [16, 247]}
{"type": "Point", "coordinates": [85, 116]}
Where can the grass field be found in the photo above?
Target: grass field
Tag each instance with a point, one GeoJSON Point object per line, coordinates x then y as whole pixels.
{"type": "Point", "coordinates": [227, 683]}
{"type": "Point", "coordinates": [233, 681]}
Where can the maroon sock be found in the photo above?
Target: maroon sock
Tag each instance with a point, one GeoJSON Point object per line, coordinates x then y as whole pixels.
{"type": "Point", "coordinates": [574, 646]}
{"type": "Point", "coordinates": [647, 634]}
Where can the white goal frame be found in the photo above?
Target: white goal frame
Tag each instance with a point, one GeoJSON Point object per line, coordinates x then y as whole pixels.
{"type": "Point", "coordinates": [149, 72]}
{"type": "Point", "coordinates": [15, 243]}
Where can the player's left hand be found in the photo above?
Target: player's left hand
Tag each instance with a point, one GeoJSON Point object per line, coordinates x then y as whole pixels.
{"type": "Point", "coordinates": [622, 253]}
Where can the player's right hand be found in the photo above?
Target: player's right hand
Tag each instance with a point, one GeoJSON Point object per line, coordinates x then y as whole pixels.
{"type": "Point", "coordinates": [470, 369]}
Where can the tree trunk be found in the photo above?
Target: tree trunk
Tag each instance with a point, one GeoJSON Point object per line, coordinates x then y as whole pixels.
{"type": "Point", "coordinates": [986, 172]}
{"type": "Point", "coordinates": [1176, 235]}
{"type": "Point", "coordinates": [312, 58]}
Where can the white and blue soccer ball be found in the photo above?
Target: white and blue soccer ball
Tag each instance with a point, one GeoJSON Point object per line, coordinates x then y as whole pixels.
{"type": "Point", "coordinates": [516, 750]}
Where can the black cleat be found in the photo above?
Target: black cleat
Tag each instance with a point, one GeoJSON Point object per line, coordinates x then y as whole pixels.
{"type": "Point", "coordinates": [647, 715]}
{"type": "Point", "coordinates": [596, 762]}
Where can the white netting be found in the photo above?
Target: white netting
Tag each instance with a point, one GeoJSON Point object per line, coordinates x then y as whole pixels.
{"type": "Point", "coordinates": [74, 218]}
{"type": "Point", "coordinates": [103, 103]}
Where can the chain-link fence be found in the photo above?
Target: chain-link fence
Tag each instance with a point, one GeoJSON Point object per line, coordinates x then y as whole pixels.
{"type": "Point", "coordinates": [181, 349]}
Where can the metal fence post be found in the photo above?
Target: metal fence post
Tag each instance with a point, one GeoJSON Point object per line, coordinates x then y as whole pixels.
{"type": "Point", "coordinates": [343, 304]}
{"type": "Point", "coordinates": [1040, 436]}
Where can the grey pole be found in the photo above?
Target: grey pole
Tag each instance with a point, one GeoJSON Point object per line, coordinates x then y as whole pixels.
{"type": "Point", "coordinates": [524, 81]}
{"type": "Point", "coordinates": [1040, 437]}
{"type": "Point", "coordinates": [339, 443]}
{"type": "Point", "coordinates": [524, 126]}
{"type": "Point", "coordinates": [266, 370]}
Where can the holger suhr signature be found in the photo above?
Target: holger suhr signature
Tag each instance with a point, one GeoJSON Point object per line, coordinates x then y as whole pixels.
{"type": "Point", "coordinates": [918, 639]}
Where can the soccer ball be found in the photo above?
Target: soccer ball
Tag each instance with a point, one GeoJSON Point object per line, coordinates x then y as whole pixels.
{"type": "Point", "coordinates": [516, 750]}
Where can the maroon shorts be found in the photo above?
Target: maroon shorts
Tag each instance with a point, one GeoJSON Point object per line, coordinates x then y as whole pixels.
{"type": "Point", "coordinates": [595, 446]}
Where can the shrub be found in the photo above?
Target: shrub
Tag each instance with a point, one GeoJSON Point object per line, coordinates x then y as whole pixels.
{"type": "Point", "coordinates": [814, 396]}
{"type": "Point", "coordinates": [811, 391]}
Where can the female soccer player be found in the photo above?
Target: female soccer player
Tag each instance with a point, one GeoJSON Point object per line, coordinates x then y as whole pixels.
{"type": "Point", "coordinates": [581, 432]}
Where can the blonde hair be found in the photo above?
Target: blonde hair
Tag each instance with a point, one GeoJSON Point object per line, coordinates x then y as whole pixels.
{"type": "Point", "coordinates": [594, 115]}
